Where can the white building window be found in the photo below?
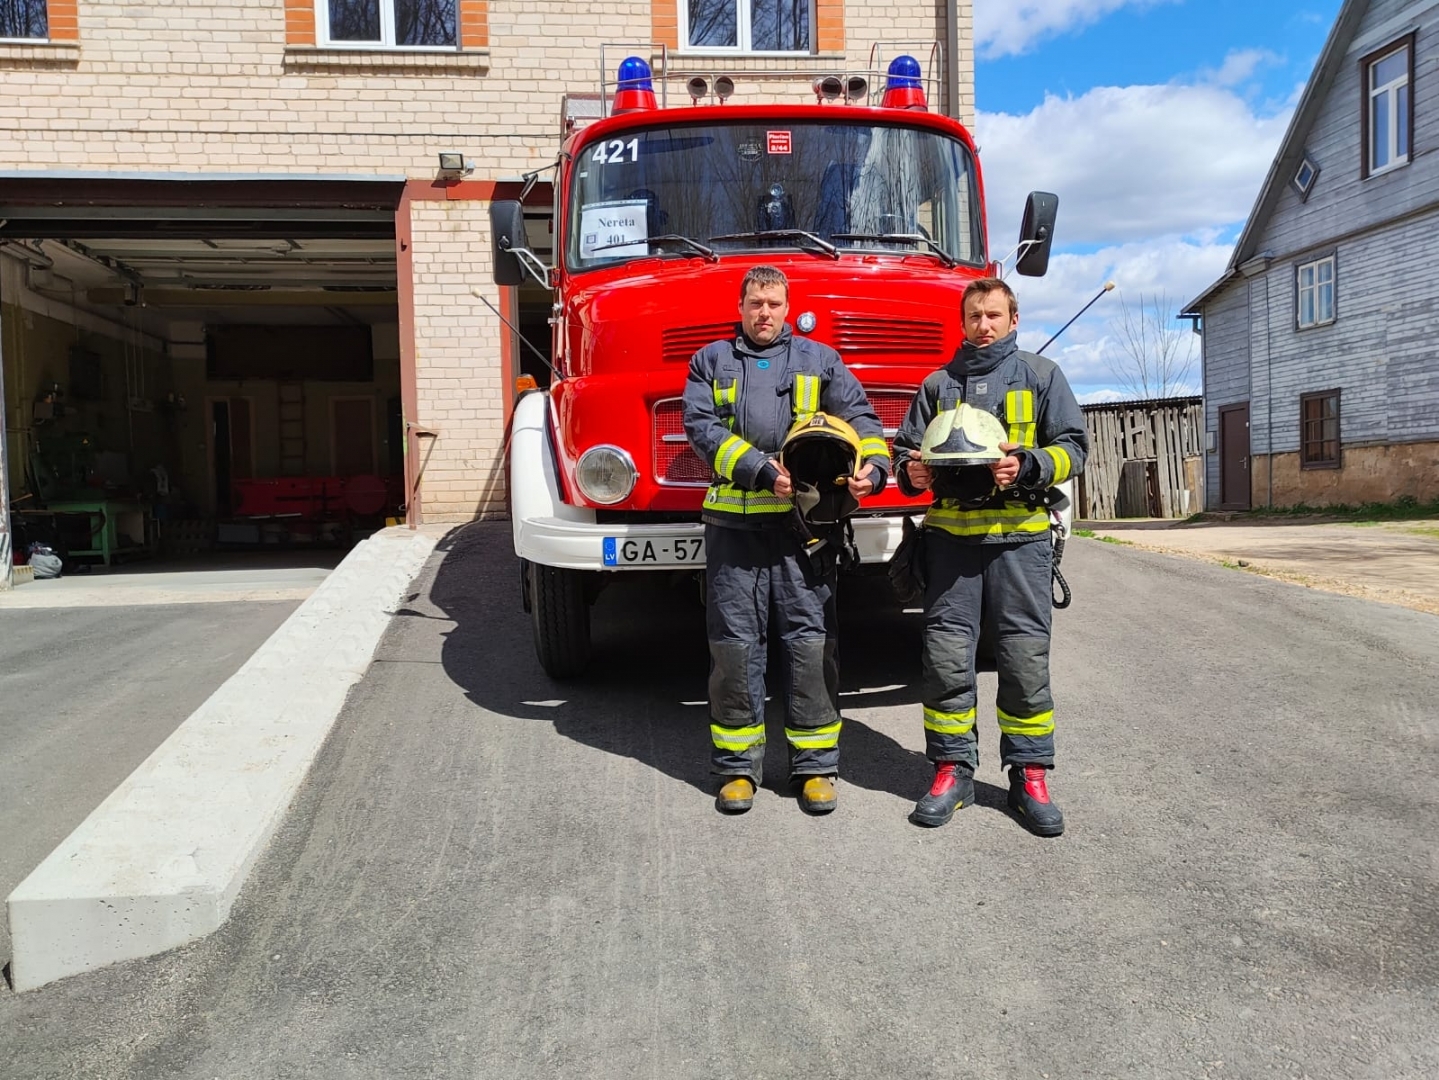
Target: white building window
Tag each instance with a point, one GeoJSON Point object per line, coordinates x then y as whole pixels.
{"type": "Point", "coordinates": [1389, 108]}
{"type": "Point", "coordinates": [1316, 292]}
{"type": "Point", "coordinates": [389, 24]}
{"type": "Point", "coordinates": [24, 20]}
{"type": "Point", "coordinates": [751, 26]}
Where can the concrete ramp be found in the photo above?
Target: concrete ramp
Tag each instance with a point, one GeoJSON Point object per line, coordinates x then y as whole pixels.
{"type": "Point", "coordinates": [160, 862]}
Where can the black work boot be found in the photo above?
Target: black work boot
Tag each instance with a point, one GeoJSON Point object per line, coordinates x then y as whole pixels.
{"type": "Point", "coordinates": [953, 789]}
{"type": "Point", "coordinates": [1029, 798]}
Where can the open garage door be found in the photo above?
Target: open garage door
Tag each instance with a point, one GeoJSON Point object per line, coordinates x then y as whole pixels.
{"type": "Point", "coordinates": [200, 365]}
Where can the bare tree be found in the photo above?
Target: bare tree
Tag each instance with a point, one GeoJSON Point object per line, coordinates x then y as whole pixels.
{"type": "Point", "coordinates": [1150, 356]}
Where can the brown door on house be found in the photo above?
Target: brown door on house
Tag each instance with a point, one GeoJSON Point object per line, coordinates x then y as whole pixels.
{"type": "Point", "coordinates": [1234, 457]}
{"type": "Point", "coordinates": [352, 420]}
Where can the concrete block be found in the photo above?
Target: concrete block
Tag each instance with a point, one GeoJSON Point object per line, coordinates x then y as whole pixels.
{"type": "Point", "coordinates": [160, 862]}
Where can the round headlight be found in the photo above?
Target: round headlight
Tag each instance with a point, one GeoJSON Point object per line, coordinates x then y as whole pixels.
{"type": "Point", "coordinates": [605, 474]}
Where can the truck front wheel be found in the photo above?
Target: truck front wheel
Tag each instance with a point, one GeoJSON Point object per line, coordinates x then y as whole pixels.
{"type": "Point", "coordinates": [560, 612]}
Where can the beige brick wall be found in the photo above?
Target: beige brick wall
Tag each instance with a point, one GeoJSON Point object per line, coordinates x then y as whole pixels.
{"type": "Point", "coordinates": [461, 385]}
{"type": "Point", "coordinates": [201, 87]}
{"type": "Point", "coordinates": [212, 87]}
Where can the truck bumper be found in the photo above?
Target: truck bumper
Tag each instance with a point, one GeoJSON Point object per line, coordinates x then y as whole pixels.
{"type": "Point", "coordinates": [576, 545]}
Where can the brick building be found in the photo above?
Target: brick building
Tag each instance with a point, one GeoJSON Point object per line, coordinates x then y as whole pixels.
{"type": "Point", "coordinates": [228, 250]}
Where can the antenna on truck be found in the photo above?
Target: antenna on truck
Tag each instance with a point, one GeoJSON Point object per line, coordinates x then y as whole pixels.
{"type": "Point", "coordinates": [475, 291]}
{"type": "Point", "coordinates": [1108, 285]}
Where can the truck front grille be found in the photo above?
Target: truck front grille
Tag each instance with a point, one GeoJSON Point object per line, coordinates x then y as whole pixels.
{"type": "Point", "coordinates": [675, 462]}
{"type": "Point", "coordinates": [858, 335]}
{"type": "Point", "coordinates": [679, 343]}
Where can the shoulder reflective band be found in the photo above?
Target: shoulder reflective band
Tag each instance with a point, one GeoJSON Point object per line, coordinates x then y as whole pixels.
{"type": "Point", "coordinates": [1019, 411]}
{"type": "Point", "coordinates": [873, 447]}
{"type": "Point", "coordinates": [806, 395]}
{"type": "Point", "coordinates": [1062, 465]}
{"type": "Point", "coordinates": [726, 395]}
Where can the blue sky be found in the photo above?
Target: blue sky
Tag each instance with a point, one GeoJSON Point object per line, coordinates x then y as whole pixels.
{"type": "Point", "coordinates": [1155, 122]}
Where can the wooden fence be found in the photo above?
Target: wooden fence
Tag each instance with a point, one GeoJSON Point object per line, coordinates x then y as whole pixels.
{"type": "Point", "coordinates": [1146, 459]}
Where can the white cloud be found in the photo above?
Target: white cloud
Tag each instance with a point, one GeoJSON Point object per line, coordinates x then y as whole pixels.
{"type": "Point", "coordinates": [1178, 267]}
{"type": "Point", "coordinates": [1129, 163]}
{"type": "Point", "coordinates": [1009, 27]}
{"type": "Point", "coordinates": [1240, 66]}
{"type": "Point", "coordinates": [1100, 397]}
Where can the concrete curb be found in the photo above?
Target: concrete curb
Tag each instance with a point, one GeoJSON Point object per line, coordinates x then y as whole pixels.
{"type": "Point", "coordinates": [159, 863]}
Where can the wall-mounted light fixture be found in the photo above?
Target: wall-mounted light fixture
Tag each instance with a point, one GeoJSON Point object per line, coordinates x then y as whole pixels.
{"type": "Point", "coordinates": [454, 166]}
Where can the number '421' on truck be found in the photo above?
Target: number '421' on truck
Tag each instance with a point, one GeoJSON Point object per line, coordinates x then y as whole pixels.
{"type": "Point", "coordinates": [871, 204]}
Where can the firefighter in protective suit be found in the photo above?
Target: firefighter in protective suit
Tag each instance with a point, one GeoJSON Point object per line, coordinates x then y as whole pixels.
{"type": "Point", "coordinates": [990, 434]}
{"type": "Point", "coordinates": [771, 555]}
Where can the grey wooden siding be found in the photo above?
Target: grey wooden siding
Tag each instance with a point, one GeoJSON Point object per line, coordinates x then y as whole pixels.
{"type": "Point", "coordinates": [1382, 350]}
{"type": "Point", "coordinates": [1341, 202]}
{"type": "Point", "coordinates": [1226, 367]}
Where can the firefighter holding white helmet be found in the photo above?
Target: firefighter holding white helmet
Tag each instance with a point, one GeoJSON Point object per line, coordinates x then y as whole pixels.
{"type": "Point", "coordinates": [991, 434]}
{"type": "Point", "coordinates": [794, 445]}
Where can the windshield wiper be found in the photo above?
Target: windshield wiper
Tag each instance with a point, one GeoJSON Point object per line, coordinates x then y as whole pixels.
{"type": "Point", "coordinates": [783, 234]}
{"type": "Point", "coordinates": [674, 238]}
{"type": "Point", "coordinates": [909, 238]}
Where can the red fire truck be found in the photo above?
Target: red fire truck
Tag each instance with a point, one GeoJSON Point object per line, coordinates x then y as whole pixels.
{"type": "Point", "coordinates": [871, 204]}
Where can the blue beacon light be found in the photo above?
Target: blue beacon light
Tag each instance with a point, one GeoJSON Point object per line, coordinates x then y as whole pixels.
{"type": "Point", "coordinates": [903, 88]}
{"type": "Point", "coordinates": [636, 89]}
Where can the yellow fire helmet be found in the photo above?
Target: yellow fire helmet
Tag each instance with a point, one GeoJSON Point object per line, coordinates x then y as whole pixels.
{"type": "Point", "coordinates": [821, 453]}
{"type": "Point", "coordinates": [962, 436]}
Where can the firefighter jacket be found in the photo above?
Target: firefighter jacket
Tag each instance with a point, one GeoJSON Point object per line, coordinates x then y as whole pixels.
{"type": "Point", "coordinates": [740, 401]}
{"type": "Point", "coordinates": [1031, 396]}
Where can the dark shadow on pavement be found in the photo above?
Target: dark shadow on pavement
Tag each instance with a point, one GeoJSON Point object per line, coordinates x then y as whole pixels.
{"type": "Point", "coordinates": [644, 696]}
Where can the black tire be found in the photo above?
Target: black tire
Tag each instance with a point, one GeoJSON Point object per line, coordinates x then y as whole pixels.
{"type": "Point", "coordinates": [560, 612]}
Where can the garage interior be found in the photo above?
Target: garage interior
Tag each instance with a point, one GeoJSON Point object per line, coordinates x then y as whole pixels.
{"type": "Point", "coordinates": [203, 366]}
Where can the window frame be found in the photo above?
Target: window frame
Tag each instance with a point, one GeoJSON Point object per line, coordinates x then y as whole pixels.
{"type": "Point", "coordinates": [1332, 258]}
{"type": "Point", "coordinates": [46, 40]}
{"type": "Point", "coordinates": [743, 31]}
{"type": "Point", "coordinates": [1366, 95]}
{"type": "Point", "coordinates": [1305, 461]}
{"type": "Point", "coordinates": [386, 43]}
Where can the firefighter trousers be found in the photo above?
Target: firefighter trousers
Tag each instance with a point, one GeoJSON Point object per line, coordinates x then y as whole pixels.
{"type": "Point", "coordinates": [1006, 588]}
{"type": "Point", "coordinates": [756, 579]}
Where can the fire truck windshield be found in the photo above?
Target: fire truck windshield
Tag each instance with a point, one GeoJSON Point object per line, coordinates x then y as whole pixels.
{"type": "Point", "coordinates": [855, 187]}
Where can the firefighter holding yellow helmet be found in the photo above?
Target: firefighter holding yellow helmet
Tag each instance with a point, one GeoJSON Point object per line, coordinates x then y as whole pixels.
{"type": "Point", "coordinates": [991, 434]}
{"type": "Point", "coordinates": [794, 444]}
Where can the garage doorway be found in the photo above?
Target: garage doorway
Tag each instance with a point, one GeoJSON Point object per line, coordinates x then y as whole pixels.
{"type": "Point", "coordinates": [221, 355]}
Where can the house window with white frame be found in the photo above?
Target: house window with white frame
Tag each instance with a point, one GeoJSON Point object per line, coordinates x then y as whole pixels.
{"type": "Point", "coordinates": [388, 24]}
{"type": "Point", "coordinates": [1388, 107]}
{"type": "Point", "coordinates": [750, 26]}
{"type": "Point", "coordinates": [24, 20]}
{"type": "Point", "coordinates": [1315, 292]}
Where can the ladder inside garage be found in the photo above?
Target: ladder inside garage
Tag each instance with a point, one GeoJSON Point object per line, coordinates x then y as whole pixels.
{"type": "Point", "coordinates": [292, 429]}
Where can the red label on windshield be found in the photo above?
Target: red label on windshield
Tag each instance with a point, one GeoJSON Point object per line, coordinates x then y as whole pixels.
{"type": "Point", "coordinates": [778, 142]}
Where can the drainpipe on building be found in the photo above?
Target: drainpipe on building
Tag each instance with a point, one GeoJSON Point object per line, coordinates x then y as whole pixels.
{"type": "Point", "coordinates": [7, 558]}
{"type": "Point", "coordinates": [951, 59]}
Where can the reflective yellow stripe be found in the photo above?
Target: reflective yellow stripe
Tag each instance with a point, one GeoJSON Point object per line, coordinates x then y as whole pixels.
{"type": "Point", "coordinates": [737, 738]}
{"type": "Point", "coordinates": [873, 447]}
{"type": "Point", "coordinates": [949, 723]}
{"type": "Point", "coordinates": [730, 451]}
{"type": "Point", "coordinates": [1003, 521]}
{"type": "Point", "coordinates": [732, 499]}
{"type": "Point", "coordinates": [1034, 726]}
{"type": "Point", "coordinates": [1019, 411]}
{"type": "Point", "coordinates": [726, 395]}
{"type": "Point", "coordinates": [806, 395]}
{"type": "Point", "coordinates": [1062, 465]}
{"type": "Point", "coordinates": [820, 738]}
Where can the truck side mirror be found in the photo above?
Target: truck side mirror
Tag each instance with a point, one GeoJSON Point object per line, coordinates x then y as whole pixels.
{"type": "Point", "coordinates": [1036, 234]}
{"type": "Point", "coordinates": [507, 235]}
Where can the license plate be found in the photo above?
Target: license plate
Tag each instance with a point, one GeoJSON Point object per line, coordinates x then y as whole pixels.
{"type": "Point", "coordinates": [654, 550]}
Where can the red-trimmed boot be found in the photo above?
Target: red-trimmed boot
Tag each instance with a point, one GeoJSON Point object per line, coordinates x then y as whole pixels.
{"type": "Point", "coordinates": [953, 788]}
{"type": "Point", "coordinates": [1029, 798]}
